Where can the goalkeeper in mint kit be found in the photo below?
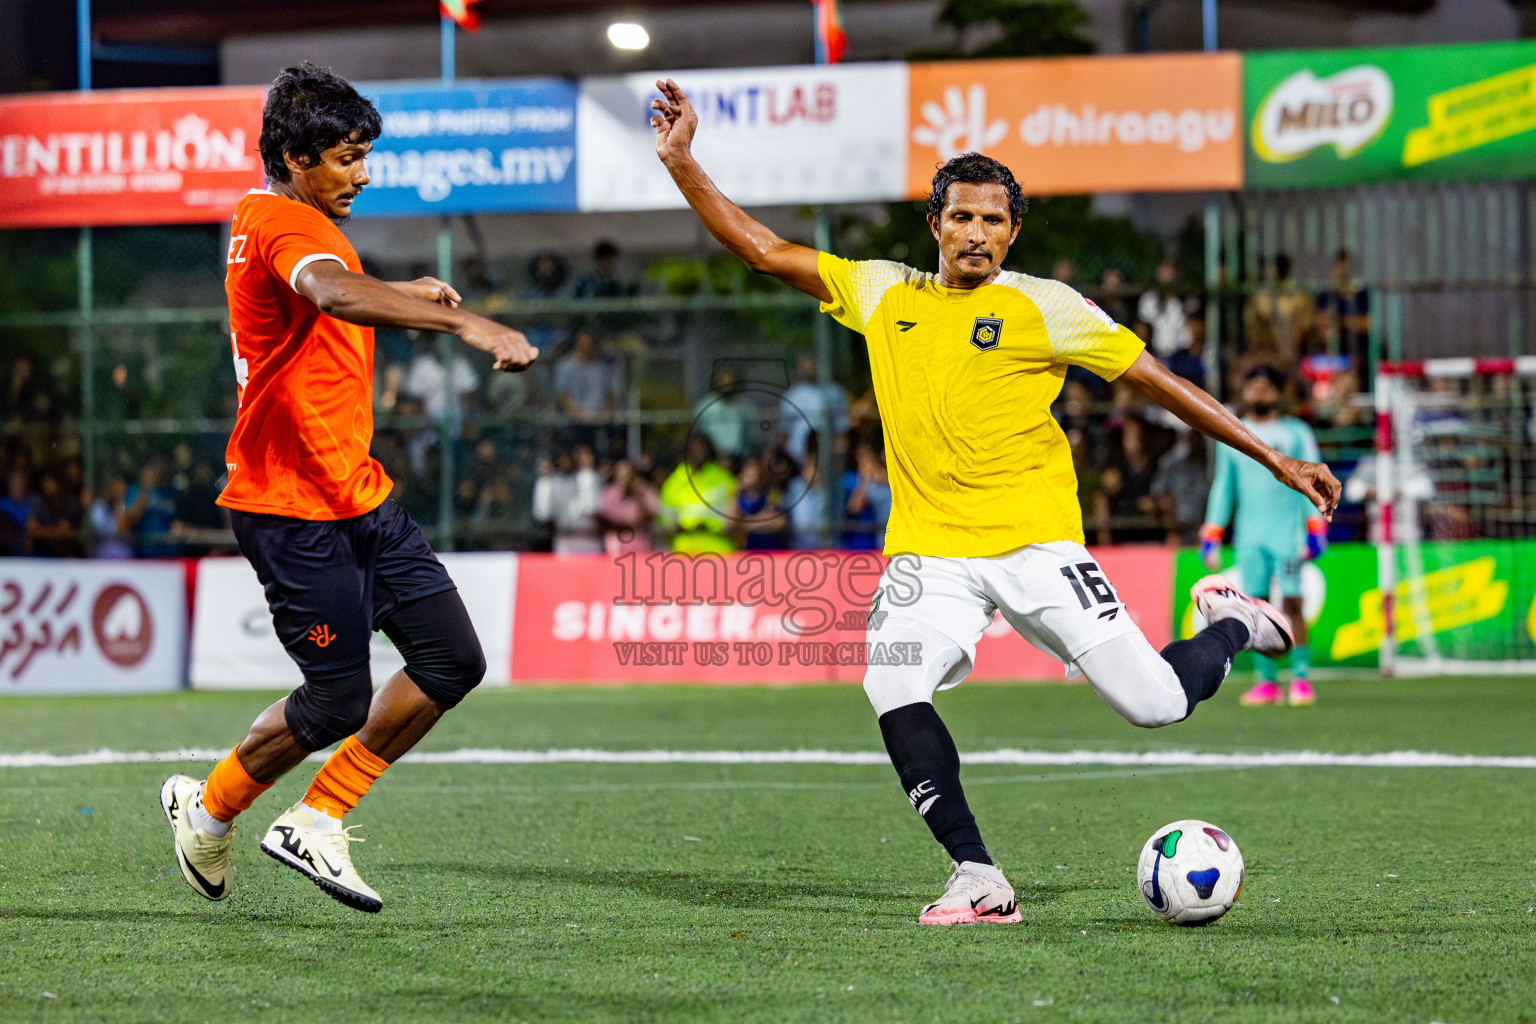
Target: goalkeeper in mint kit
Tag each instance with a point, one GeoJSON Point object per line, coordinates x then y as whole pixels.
{"type": "Point", "coordinates": [1275, 529]}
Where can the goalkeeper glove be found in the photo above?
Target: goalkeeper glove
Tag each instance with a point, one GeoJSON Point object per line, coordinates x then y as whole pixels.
{"type": "Point", "coordinates": [1210, 545]}
{"type": "Point", "coordinates": [1317, 537]}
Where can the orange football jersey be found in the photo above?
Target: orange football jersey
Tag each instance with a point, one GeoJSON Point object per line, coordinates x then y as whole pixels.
{"type": "Point", "coordinates": [300, 444]}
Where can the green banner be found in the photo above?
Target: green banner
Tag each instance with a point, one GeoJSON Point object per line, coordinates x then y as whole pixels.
{"type": "Point", "coordinates": [1467, 600]}
{"type": "Point", "coordinates": [1341, 117]}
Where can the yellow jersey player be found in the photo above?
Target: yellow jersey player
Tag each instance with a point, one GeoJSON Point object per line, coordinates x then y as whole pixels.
{"type": "Point", "coordinates": [985, 518]}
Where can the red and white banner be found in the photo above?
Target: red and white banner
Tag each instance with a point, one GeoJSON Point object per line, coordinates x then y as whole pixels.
{"type": "Point", "coordinates": [76, 627]}
{"type": "Point", "coordinates": [130, 156]}
{"type": "Point", "coordinates": [234, 646]}
{"type": "Point", "coordinates": [778, 617]}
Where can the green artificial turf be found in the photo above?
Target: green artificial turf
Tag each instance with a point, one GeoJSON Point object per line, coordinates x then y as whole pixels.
{"type": "Point", "coordinates": [577, 892]}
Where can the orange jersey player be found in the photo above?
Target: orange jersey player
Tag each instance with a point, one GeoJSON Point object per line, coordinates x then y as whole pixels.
{"type": "Point", "coordinates": [310, 508]}
{"type": "Point", "coordinates": [300, 444]}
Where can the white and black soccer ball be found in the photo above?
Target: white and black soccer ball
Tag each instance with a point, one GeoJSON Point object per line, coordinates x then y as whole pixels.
{"type": "Point", "coordinates": [1190, 872]}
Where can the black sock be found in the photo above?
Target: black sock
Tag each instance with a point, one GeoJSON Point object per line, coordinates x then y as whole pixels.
{"type": "Point", "coordinates": [929, 767]}
{"type": "Point", "coordinates": [1204, 661]}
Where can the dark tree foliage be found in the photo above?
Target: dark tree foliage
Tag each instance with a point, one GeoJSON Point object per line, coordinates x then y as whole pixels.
{"type": "Point", "coordinates": [1011, 28]}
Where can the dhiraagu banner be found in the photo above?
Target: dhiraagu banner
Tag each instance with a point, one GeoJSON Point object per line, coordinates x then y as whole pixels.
{"type": "Point", "coordinates": [1340, 117]}
{"type": "Point", "coordinates": [1466, 600]}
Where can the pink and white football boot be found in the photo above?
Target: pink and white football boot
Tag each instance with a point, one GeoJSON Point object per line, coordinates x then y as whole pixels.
{"type": "Point", "coordinates": [1269, 630]}
{"type": "Point", "coordinates": [975, 893]}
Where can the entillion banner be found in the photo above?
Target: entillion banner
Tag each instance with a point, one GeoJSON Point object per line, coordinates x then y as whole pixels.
{"type": "Point", "coordinates": [128, 156]}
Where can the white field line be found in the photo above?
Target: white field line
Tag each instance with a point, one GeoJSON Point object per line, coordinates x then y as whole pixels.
{"type": "Point", "coordinates": [1009, 757]}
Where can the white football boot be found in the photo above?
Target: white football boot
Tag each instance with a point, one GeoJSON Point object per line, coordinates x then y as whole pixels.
{"type": "Point", "coordinates": [315, 845]}
{"type": "Point", "coordinates": [1269, 631]}
{"type": "Point", "coordinates": [974, 893]}
{"type": "Point", "coordinates": [202, 856]}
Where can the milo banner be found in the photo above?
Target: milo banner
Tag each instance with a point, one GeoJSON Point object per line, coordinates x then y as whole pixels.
{"type": "Point", "coordinates": [1467, 600]}
{"type": "Point", "coordinates": [1341, 117]}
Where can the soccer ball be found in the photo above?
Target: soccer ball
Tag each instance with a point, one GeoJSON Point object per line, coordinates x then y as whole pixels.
{"type": "Point", "coordinates": [1190, 872]}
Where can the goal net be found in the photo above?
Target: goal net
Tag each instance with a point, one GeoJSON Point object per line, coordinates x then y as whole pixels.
{"type": "Point", "coordinates": [1453, 490]}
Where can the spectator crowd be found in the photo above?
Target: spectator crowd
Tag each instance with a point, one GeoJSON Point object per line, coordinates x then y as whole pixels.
{"type": "Point", "coordinates": [764, 463]}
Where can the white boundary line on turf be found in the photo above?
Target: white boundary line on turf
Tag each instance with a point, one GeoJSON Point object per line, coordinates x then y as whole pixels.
{"type": "Point", "coordinates": [1009, 757]}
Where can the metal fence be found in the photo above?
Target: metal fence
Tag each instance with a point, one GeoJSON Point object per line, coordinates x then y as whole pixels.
{"type": "Point", "coordinates": [127, 335]}
{"type": "Point", "coordinates": [1448, 267]}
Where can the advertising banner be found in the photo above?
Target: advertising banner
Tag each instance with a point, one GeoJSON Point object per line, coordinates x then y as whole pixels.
{"type": "Point", "coordinates": [130, 156]}
{"type": "Point", "coordinates": [235, 648]}
{"type": "Point", "coordinates": [76, 627]}
{"type": "Point", "coordinates": [479, 147]}
{"type": "Point", "coordinates": [1341, 117]}
{"type": "Point", "coordinates": [776, 617]}
{"type": "Point", "coordinates": [1477, 600]}
{"type": "Point", "coordinates": [1073, 125]}
{"type": "Point", "coordinates": [767, 136]}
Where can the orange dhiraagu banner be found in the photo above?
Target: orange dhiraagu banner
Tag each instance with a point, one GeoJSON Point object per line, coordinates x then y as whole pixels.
{"type": "Point", "coordinates": [132, 156]}
{"type": "Point", "coordinates": [1072, 125]}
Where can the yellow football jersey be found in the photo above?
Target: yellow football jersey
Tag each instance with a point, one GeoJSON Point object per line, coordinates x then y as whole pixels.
{"type": "Point", "coordinates": [965, 379]}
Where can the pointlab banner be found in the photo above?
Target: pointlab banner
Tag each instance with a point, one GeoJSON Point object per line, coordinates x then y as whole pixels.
{"type": "Point", "coordinates": [767, 136]}
{"type": "Point", "coordinates": [482, 147]}
{"type": "Point", "coordinates": [1340, 117]}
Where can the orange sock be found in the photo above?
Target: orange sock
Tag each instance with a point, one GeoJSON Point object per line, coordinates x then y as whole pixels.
{"type": "Point", "coordinates": [230, 789]}
{"type": "Point", "coordinates": [344, 778]}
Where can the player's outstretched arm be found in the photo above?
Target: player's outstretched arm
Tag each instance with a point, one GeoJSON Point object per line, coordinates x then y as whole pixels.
{"type": "Point", "coordinates": [748, 239]}
{"type": "Point", "coordinates": [1211, 418]}
{"type": "Point", "coordinates": [426, 304]}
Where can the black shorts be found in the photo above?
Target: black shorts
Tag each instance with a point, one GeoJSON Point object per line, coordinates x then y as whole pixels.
{"type": "Point", "coordinates": [331, 584]}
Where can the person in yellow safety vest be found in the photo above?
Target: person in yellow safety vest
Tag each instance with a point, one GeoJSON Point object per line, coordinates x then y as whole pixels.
{"type": "Point", "coordinates": [694, 499]}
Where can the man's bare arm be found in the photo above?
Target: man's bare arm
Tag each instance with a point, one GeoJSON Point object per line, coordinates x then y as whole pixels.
{"type": "Point", "coordinates": [369, 302]}
{"type": "Point", "coordinates": [748, 239]}
{"type": "Point", "coordinates": [428, 289]}
{"type": "Point", "coordinates": [1211, 418]}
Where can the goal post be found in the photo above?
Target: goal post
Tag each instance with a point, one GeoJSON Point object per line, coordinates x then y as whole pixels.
{"type": "Point", "coordinates": [1453, 515]}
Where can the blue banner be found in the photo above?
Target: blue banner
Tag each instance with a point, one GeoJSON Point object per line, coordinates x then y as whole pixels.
{"type": "Point", "coordinates": [480, 147]}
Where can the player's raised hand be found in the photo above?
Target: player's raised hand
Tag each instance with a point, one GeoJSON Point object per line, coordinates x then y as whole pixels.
{"type": "Point", "coordinates": [1314, 480]}
{"type": "Point", "coordinates": [675, 120]}
{"type": "Point", "coordinates": [429, 289]}
{"type": "Point", "coordinates": [511, 348]}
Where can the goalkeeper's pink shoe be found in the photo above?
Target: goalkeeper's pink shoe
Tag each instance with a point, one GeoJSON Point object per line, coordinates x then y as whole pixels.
{"type": "Point", "coordinates": [1265, 694]}
{"type": "Point", "coordinates": [1301, 694]}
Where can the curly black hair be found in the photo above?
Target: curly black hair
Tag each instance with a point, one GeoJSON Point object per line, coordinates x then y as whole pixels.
{"type": "Point", "coordinates": [975, 169]}
{"type": "Point", "coordinates": [309, 109]}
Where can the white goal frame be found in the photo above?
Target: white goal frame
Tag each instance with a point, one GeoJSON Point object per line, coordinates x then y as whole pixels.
{"type": "Point", "coordinates": [1394, 419]}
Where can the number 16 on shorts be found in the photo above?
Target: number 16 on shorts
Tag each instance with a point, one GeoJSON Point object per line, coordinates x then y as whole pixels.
{"type": "Point", "coordinates": [1091, 588]}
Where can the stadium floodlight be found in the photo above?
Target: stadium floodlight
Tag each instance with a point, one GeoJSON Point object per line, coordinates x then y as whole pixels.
{"type": "Point", "coordinates": [626, 35]}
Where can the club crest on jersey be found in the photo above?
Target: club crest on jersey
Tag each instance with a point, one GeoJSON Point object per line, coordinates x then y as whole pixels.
{"type": "Point", "coordinates": [987, 333]}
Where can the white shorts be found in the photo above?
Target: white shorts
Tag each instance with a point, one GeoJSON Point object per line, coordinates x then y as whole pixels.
{"type": "Point", "coordinates": [1054, 595]}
